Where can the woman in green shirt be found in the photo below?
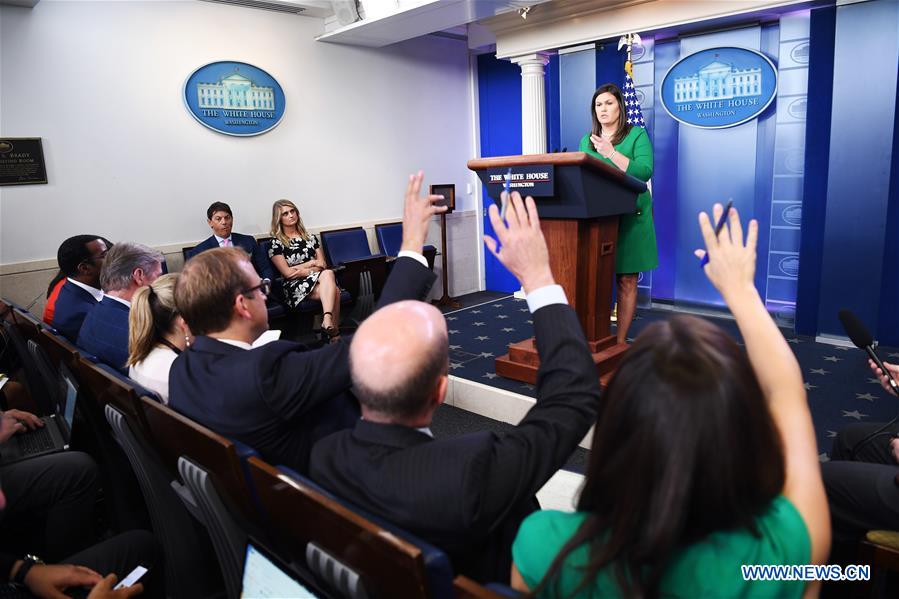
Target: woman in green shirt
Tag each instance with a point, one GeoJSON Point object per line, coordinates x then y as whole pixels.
{"type": "Point", "coordinates": [703, 460]}
{"type": "Point", "coordinates": [614, 141]}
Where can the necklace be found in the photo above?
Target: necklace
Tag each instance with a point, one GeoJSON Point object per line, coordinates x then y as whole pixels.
{"type": "Point", "coordinates": [607, 135]}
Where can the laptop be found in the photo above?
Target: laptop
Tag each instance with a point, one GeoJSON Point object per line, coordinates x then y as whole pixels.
{"type": "Point", "coordinates": [265, 576]}
{"type": "Point", "coordinates": [54, 436]}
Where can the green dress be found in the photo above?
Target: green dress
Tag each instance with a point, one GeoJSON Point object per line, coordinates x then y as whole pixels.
{"type": "Point", "coordinates": [710, 568]}
{"type": "Point", "coordinates": [637, 251]}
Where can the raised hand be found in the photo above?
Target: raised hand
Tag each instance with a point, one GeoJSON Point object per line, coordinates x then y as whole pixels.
{"type": "Point", "coordinates": [523, 249]}
{"type": "Point", "coordinates": [731, 265]}
{"type": "Point", "coordinates": [417, 213]}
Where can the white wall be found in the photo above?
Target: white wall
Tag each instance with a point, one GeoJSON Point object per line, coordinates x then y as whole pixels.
{"type": "Point", "coordinates": [101, 83]}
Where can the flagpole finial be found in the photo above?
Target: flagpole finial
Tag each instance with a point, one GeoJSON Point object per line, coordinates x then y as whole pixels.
{"type": "Point", "coordinates": [629, 40]}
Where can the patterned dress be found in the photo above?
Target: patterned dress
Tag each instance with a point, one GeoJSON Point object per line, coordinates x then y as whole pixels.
{"type": "Point", "coordinates": [300, 250]}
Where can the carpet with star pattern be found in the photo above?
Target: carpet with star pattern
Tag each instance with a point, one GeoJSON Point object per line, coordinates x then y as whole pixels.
{"type": "Point", "coordinates": [841, 389]}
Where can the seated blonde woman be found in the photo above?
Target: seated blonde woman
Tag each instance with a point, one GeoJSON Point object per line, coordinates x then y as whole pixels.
{"type": "Point", "coordinates": [156, 335]}
{"type": "Point", "coordinates": [301, 263]}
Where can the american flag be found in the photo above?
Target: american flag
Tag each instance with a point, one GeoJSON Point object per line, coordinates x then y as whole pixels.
{"type": "Point", "coordinates": [631, 103]}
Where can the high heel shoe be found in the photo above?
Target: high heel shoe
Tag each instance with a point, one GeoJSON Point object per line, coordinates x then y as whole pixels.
{"type": "Point", "coordinates": [330, 333]}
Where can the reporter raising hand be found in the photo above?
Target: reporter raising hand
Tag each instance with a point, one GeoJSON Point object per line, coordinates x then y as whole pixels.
{"type": "Point", "coordinates": [417, 213]}
{"type": "Point", "coordinates": [731, 268]}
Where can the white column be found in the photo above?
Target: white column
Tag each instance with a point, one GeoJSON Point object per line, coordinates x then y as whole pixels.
{"type": "Point", "coordinates": [533, 103]}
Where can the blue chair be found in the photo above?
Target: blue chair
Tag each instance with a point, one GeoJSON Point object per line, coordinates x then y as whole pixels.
{"type": "Point", "coordinates": [359, 271]}
{"type": "Point", "coordinates": [190, 569]}
{"type": "Point", "coordinates": [207, 471]}
{"type": "Point", "coordinates": [19, 331]}
{"type": "Point", "coordinates": [357, 554]}
{"type": "Point", "coordinates": [390, 239]}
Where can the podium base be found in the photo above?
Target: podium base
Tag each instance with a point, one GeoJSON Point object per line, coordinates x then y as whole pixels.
{"type": "Point", "coordinates": [522, 361]}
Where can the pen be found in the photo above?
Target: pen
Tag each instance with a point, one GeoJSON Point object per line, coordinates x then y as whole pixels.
{"type": "Point", "coordinates": [718, 227]}
{"type": "Point", "coordinates": [506, 187]}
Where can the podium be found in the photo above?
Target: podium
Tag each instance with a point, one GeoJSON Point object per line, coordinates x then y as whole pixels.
{"type": "Point", "coordinates": [579, 199]}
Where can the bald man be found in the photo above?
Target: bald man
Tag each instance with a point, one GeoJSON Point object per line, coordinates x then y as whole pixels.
{"type": "Point", "coordinates": [465, 494]}
{"type": "Point", "coordinates": [278, 398]}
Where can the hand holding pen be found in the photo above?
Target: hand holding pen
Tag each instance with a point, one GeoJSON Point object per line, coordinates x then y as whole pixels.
{"type": "Point", "coordinates": [504, 195]}
{"type": "Point", "coordinates": [732, 266]}
{"type": "Point", "coordinates": [718, 227]}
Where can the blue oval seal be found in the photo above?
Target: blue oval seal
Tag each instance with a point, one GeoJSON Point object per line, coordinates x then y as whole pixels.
{"type": "Point", "coordinates": [234, 98]}
{"type": "Point", "coordinates": [792, 215]}
{"type": "Point", "coordinates": [719, 87]}
{"type": "Point", "coordinates": [789, 266]}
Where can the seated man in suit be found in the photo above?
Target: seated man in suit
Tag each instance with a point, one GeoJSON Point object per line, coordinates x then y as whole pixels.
{"type": "Point", "coordinates": [278, 398]}
{"type": "Point", "coordinates": [466, 494]}
{"type": "Point", "coordinates": [221, 221]}
{"type": "Point", "coordinates": [104, 333]}
{"type": "Point", "coordinates": [80, 259]}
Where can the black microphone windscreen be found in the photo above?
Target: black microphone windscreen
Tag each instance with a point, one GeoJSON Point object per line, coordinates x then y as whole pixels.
{"type": "Point", "coordinates": [855, 329]}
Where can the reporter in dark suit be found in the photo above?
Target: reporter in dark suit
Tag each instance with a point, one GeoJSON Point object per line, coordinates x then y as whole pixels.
{"type": "Point", "coordinates": [278, 398]}
{"type": "Point", "coordinates": [221, 221]}
{"type": "Point", "coordinates": [104, 333]}
{"type": "Point", "coordinates": [465, 494]}
{"type": "Point", "coordinates": [80, 259]}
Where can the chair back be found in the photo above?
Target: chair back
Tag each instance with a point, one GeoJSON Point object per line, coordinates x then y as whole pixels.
{"type": "Point", "coordinates": [175, 435]}
{"type": "Point", "coordinates": [189, 570]}
{"type": "Point", "coordinates": [330, 532]}
{"type": "Point", "coordinates": [105, 385]}
{"type": "Point", "coordinates": [229, 539]}
{"type": "Point", "coordinates": [34, 380]}
{"type": "Point", "coordinates": [59, 349]}
{"type": "Point", "coordinates": [49, 373]}
{"type": "Point", "coordinates": [28, 322]}
{"type": "Point", "coordinates": [209, 465]}
{"type": "Point", "coordinates": [390, 238]}
{"type": "Point", "coordinates": [342, 245]}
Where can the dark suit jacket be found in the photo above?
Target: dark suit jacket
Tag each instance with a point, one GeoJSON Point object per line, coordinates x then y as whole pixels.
{"type": "Point", "coordinates": [246, 242]}
{"type": "Point", "coordinates": [468, 494]}
{"type": "Point", "coordinates": [104, 333]}
{"type": "Point", "coordinates": [278, 398]}
{"type": "Point", "coordinates": [72, 305]}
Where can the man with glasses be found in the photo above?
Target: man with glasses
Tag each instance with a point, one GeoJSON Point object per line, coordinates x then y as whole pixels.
{"type": "Point", "coordinates": [279, 398]}
{"type": "Point", "coordinates": [80, 259]}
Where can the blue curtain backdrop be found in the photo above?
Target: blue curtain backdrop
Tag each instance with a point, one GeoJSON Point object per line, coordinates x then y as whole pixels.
{"type": "Point", "coordinates": [818, 169]}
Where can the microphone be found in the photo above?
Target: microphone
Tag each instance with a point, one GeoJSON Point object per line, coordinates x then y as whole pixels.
{"type": "Point", "coordinates": [862, 339]}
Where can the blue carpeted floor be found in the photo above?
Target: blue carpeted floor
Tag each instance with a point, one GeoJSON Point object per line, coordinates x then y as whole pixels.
{"type": "Point", "coordinates": [841, 389]}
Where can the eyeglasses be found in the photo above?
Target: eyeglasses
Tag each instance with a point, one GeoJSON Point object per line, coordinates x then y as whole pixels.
{"type": "Point", "coordinates": [265, 286]}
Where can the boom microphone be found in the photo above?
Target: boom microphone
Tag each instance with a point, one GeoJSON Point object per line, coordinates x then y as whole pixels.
{"type": "Point", "coordinates": [862, 339]}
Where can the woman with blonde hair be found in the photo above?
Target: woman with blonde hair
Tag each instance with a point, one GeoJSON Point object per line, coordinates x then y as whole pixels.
{"type": "Point", "coordinates": [301, 263]}
{"type": "Point", "coordinates": [156, 335]}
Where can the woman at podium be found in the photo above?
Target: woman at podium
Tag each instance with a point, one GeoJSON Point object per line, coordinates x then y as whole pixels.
{"type": "Point", "coordinates": [627, 148]}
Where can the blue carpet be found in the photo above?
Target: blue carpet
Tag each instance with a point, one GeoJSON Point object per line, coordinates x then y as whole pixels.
{"type": "Point", "coordinates": [841, 388]}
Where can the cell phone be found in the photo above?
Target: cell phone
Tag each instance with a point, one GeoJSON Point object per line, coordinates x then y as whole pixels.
{"type": "Point", "coordinates": [131, 579]}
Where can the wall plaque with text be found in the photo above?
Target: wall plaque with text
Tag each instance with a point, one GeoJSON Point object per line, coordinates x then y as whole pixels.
{"type": "Point", "coordinates": [22, 161]}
